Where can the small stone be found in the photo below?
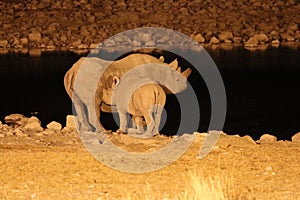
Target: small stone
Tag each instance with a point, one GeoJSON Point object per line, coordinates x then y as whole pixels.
{"type": "Point", "coordinates": [274, 35]}
{"type": "Point", "coordinates": [82, 46]}
{"type": "Point", "coordinates": [3, 43]}
{"type": "Point", "coordinates": [237, 39]}
{"type": "Point", "coordinates": [268, 168]}
{"type": "Point", "coordinates": [70, 122]}
{"type": "Point", "coordinates": [199, 38]}
{"type": "Point", "coordinates": [19, 132]}
{"type": "Point", "coordinates": [214, 40]}
{"type": "Point", "coordinates": [54, 126]}
{"type": "Point", "coordinates": [34, 37]}
{"type": "Point", "coordinates": [267, 138]}
{"type": "Point", "coordinates": [290, 39]}
{"type": "Point", "coordinates": [24, 41]}
{"type": "Point", "coordinates": [296, 137]}
{"type": "Point", "coordinates": [251, 43]}
{"type": "Point", "coordinates": [249, 138]}
{"type": "Point", "coordinates": [2, 135]}
{"type": "Point", "coordinates": [33, 124]}
{"type": "Point", "coordinates": [225, 35]}
{"type": "Point", "coordinates": [275, 42]}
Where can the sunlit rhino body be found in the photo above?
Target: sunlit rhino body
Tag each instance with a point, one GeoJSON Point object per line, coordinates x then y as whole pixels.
{"type": "Point", "coordinates": [85, 80]}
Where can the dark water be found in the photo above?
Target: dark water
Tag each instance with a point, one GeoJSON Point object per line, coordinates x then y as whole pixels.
{"type": "Point", "coordinates": [262, 90]}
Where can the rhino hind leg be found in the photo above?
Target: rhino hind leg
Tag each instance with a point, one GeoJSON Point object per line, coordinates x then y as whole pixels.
{"type": "Point", "coordinates": [137, 126]}
{"type": "Point", "coordinates": [83, 124]}
{"type": "Point", "coordinates": [157, 118]}
{"type": "Point", "coordinates": [150, 123]}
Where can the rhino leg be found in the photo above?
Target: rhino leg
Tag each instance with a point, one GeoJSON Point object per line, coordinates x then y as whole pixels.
{"type": "Point", "coordinates": [123, 122]}
{"type": "Point", "coordinates": [157, 118]}
{"type": "Point", "coordinates": [137, 126]}
{"type": "Point", "coordinates": [82, 117]}
{"type": "Point", "coordinates": [150, 123]}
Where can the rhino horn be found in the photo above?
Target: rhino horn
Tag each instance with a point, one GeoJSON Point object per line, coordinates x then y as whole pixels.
{"type": "Point", "coordinates": [186, 73]}
{"type": "Point", "coordinates": [178, 69]}
{"type": "Point", "coordinates": [161, 58]}
{"type": "Point", "coordinates": [174, 64]}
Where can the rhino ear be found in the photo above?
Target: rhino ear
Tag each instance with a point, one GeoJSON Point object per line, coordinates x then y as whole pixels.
{"type": "Point", "coordinates": [116, 81]}
{"type": "Point", "coordinates": [174, 64]}
{"type": "Point", "coordinates": [186, 73]}
{"type": "Point", "coordinates": [178, 69]}
{"type": "Point", "coordinates": [161, 58]}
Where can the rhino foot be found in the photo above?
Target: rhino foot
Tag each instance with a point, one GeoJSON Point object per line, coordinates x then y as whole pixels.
{"type": "Point", "coordinates": [133, 131]}
{"type": "Point", "coordinates": [119, 131]}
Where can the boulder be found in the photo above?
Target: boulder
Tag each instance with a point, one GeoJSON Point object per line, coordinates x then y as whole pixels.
{"type": "Point", "coordinates": [275, 42]}
{"type": "Point", "coordinates": [262, 38]}
{"type": "Point", "coordinates": [54, 126]}
{"type": "Point", "coordinates": [274, 35]}
{"type": "Point", "coordinates": [267, 138]}
{"type": "Point", "coordinates": [16, 120]}
{"type": "Point", "coordinates": [251, 43]}
{"type": "Point", "coordinates": [296, 137]}
{"type": "Point", "coordinates": [225, 35]}
{"type": "Point", "coordinates": [33, 124]}
{"type": "Point", "coordinates": [70, 122]}
{"type": "Point", "coordinates": [214, 40]}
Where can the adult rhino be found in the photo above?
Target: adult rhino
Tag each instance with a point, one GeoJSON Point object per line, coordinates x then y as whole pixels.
{"type": "Point", "coordinates": [85, 80]}
{"type": "Point", "coordinates": [140, 93]}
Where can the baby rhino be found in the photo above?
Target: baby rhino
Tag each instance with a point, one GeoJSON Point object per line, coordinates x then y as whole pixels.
{"type": "Point", "coordinates": [141, 92]}
{"type": "Point", "coordinates": [146, 103]}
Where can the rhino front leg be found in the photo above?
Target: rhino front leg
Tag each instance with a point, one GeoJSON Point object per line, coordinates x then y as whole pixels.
{"type": "Point", "coordinates": [123, 122]}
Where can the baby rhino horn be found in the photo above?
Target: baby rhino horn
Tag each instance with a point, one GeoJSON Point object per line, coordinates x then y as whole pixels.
{"type": "Point", "coordinates": [174, 64]}
{"type": "Point", "coordinates": [161, 58]}
{"type": "Point", "coordinates": [186, 73]}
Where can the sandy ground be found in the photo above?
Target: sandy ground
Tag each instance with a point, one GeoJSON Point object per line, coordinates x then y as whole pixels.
{"type": "Point", "coordinates": [58, 166]}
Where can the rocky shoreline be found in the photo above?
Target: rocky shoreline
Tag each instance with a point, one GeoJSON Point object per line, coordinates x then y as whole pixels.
{"type": "Point", "coordinates": [82, 24]}
{"type": "Point", "coordinates": [17, 125]}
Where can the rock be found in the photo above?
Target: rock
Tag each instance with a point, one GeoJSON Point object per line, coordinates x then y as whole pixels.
{"type": "Point", "coordinates": [199, 38]}
{"type": "Point", "coordinates": [284, 36]}
{"type": "Point", "coordinates": [214, 40]}
{"type": "Point", "coordinates": [296, 137]}
{"type": "Point", "coordinates": [19, 132]}
{"type": "Point", "coordinates": [3, 43]}
{"type": "Point", "coordinates": [251, 43]}
{"type": "Point", "coordinates": [275, 42]}
{"type": "Point", "coordinates": [24, 41]}
{"type": "Point", "coordinates": [293, 27]}
{"type": "Point", "coordinates": [262, 38]}
{"type": "Point", "coordinates": [237, 39]}
{"type": "Point", "coordinates": [70, 122]}
{"type": "Point", "coordinates": [34, 37]}
{"type": "Point", "coordinates": [274, 35]}
{"type": "Point", "coordinates": [247, 137]}
{"type": "Point", "coordinates": [225, 35]}
{"type": "Point", "coordinates": [290, 39]}
{"type": "Point", "coordinates": [267, 138]}
{"type": "Point", "coordinates": [54, 126]}
{"type": "Point", "coordinates": [2, 135]}
{"type": "Point", "coordinates": [16, 120]}
{"type": "Point", "coordinates": [33, 124]}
